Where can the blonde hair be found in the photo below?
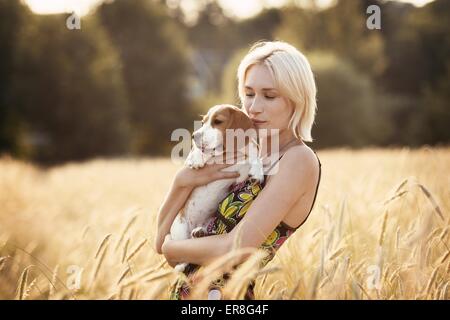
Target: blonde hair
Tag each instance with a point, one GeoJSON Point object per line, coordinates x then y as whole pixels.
{"type": "Point", "coordinates": [293, 77]}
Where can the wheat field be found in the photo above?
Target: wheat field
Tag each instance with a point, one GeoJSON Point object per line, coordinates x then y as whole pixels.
{"type": "Point", "coordinates": [379, 230]}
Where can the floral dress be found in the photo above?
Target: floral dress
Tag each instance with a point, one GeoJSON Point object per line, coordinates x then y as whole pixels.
{"type": "Point", "coordinates": [230, 211]}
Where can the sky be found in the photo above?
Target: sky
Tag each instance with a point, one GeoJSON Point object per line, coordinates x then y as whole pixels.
{"type": "Point", "coordinates": [238, 8]}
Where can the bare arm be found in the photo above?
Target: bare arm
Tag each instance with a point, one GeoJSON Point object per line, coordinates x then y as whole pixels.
{"type": "Point", "coordinates": [174, 201]}
{"type": "Point", "coordinates": [199, 251]}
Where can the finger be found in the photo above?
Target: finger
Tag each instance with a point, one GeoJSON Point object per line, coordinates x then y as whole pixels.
{"type": "Point", "coordinates": [227, 175]}
{"type": "Point", "coordinates": [228, 163]}
{"type": "Point", "coordinates": [221, 166]}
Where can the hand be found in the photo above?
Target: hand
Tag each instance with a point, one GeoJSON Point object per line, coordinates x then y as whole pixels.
{"type": "Point", "coordinates": [187, 177]}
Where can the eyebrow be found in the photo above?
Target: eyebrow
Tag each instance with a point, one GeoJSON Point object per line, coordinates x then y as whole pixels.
{"type": "Point", "coordinates": [263, 89]}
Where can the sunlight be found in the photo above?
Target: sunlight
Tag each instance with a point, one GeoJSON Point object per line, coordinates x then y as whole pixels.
{"type": "Point", "coordinates": [238, 8]}
{"type": "Point", "coordinates": [81, 7]}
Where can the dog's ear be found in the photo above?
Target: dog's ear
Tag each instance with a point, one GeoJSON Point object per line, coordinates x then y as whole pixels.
{"type": "Point", "coordinates": [239, 120]}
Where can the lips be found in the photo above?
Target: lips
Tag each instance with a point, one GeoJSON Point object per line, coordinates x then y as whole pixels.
{"type": "Point", "coordinates": [256, 121]}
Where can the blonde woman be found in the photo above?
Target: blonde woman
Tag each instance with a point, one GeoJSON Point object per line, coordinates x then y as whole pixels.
{"type": "Point", "coordinates": [277, 91]}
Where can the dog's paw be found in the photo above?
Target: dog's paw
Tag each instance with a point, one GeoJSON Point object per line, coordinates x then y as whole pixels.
{"type": "Point", "coordinates": [180, 267]}
{"type": "Point", "coordinates": [241, 178]}
{"type": "Point", "coordinates": [256, 171]}
{"type": "Point", "coordinates": [199, 232]}
{"type": "Point", "coordinates": [195, 160]}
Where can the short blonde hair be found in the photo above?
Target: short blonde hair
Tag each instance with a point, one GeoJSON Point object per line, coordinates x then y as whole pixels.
{"type": "Point", "coordinates": [293, 77]}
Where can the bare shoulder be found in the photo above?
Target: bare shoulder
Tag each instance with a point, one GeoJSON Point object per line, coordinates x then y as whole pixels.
{"type": "Point", "coordinates": [300, 157]}
{"type": "Point", "coordinates": [299, 165]}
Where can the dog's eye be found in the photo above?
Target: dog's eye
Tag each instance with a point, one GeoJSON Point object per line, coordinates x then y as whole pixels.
{"type": "Point", "coordinates": [217, 121]}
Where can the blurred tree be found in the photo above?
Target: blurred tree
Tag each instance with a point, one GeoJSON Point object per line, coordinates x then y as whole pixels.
{"type": "Point", "coordinates": [433, 28]}
{"type": "Point", "coordinates": [304, 28]}
{"type": "Point", "coordinates": [13, 16]}
{"type": "Point", "coordinates": [259, 27]}
{"type": "Point", "coordinates": [154, 54]}
{"type": "Point", "coordinates": [436, 110]}
{"type": "Point", "coordinates": [212, 41]}
{"type": "Point", "coordinates": [124, 81]}
{"type": "Point", "coordinates": [215, 40]}
{"type": "Point", "coordinates": [401, 49]}
{"type": "Point", "coordinates": [69, 87]}
{"type": "Point", "coordinates": [418, 51]}
{"type": "Point", "coordinates": [350, 110]}
{"type": "Point", "coordinates": [228, 92]}
{"type": "Point", "coordinates": [340, 29]}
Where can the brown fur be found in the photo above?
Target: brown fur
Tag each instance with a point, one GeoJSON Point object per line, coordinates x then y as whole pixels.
{"type": "Point", "coordinates": [232, 118]}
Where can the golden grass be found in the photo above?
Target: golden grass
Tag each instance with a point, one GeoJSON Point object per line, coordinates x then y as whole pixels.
{"type": "Point", "coordinates": [379, 230]}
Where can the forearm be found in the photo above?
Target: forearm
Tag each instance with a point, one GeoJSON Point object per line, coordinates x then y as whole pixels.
{"type": "Point", "coordinates": [174, 201]}
{"type": "Point", "coordinates": [200, 251]}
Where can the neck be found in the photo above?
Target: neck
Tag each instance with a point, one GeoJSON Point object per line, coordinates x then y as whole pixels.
{"type": "Point", "coordinates": [269, 145]}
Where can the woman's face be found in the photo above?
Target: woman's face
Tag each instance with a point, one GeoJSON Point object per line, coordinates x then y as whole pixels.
{"type": "Point", "coordinates": [263, 103]}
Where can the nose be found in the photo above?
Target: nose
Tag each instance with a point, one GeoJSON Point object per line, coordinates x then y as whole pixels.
{"type": "Point", "coordinates": [255, 106]}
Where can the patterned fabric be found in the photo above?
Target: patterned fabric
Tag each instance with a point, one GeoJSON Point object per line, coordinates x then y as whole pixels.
{"type": "Point", "coordinates": [230, 211]}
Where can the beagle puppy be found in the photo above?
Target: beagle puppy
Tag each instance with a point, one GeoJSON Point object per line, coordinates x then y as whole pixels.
{"type": "Point", "coordinates": [226, 131]}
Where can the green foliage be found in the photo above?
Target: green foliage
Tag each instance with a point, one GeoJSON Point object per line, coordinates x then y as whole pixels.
{"type": "Point", "coordinates": [418, 50]}
{"type": "Point", "coordinates": [154, 55]}
{"type": "Point", "coordinates": [351, 112]}
{"type": "Point", "coordinates": [68, 86]}
{"type": "Point", "coordinates": [136, 71]}
{"type": "Point", "coordinates": [12, 18]}
{"type": "Point", "coordinates": [436, 112]}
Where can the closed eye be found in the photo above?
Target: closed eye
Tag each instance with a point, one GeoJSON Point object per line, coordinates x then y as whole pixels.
{"type": "Point", "coordinates": [267, 97]}
{"type": "Point", "coordinates": [217, 121]}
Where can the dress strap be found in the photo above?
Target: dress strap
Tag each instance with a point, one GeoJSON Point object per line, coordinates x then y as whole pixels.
{"type": "Point", "coordinates": [273, 164]}
{"type": "Point", "coordinates": [318, 182]}
{"type": "Point", "coordinates": [320, 164]}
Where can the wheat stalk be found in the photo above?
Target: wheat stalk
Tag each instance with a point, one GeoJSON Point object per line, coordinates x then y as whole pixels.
{"type": "Point", "coordinates": [125, 249]}
{"type": "Point", "coordinates": [3, 262]}
{"type": "Point", "coordinates": [433, 202]}
{"type": "Point", "coordinates": [99, 264]}
{"type": "Point", "coordinates": [52, 283]}
{"type": "Point", "coordinates": [383, 229]}
{"type": "Point", "coordinates": [124, 274]}
{"type": "Point", "coordinates": [102, 245]}
{"type": "Point", "coordinates": [125, 230]}
{"type": "Point", "coordinates": [22, 286]}
{"type": "Point", "coordinates": [136, 250]}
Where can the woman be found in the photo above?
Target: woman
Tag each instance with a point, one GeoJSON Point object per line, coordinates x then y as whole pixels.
{"type": "Point", "coordinates": [277, 91]}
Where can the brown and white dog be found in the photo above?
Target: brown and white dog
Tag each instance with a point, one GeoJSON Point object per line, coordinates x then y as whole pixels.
{"type": "Point", "coordinates": [212, 141]}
